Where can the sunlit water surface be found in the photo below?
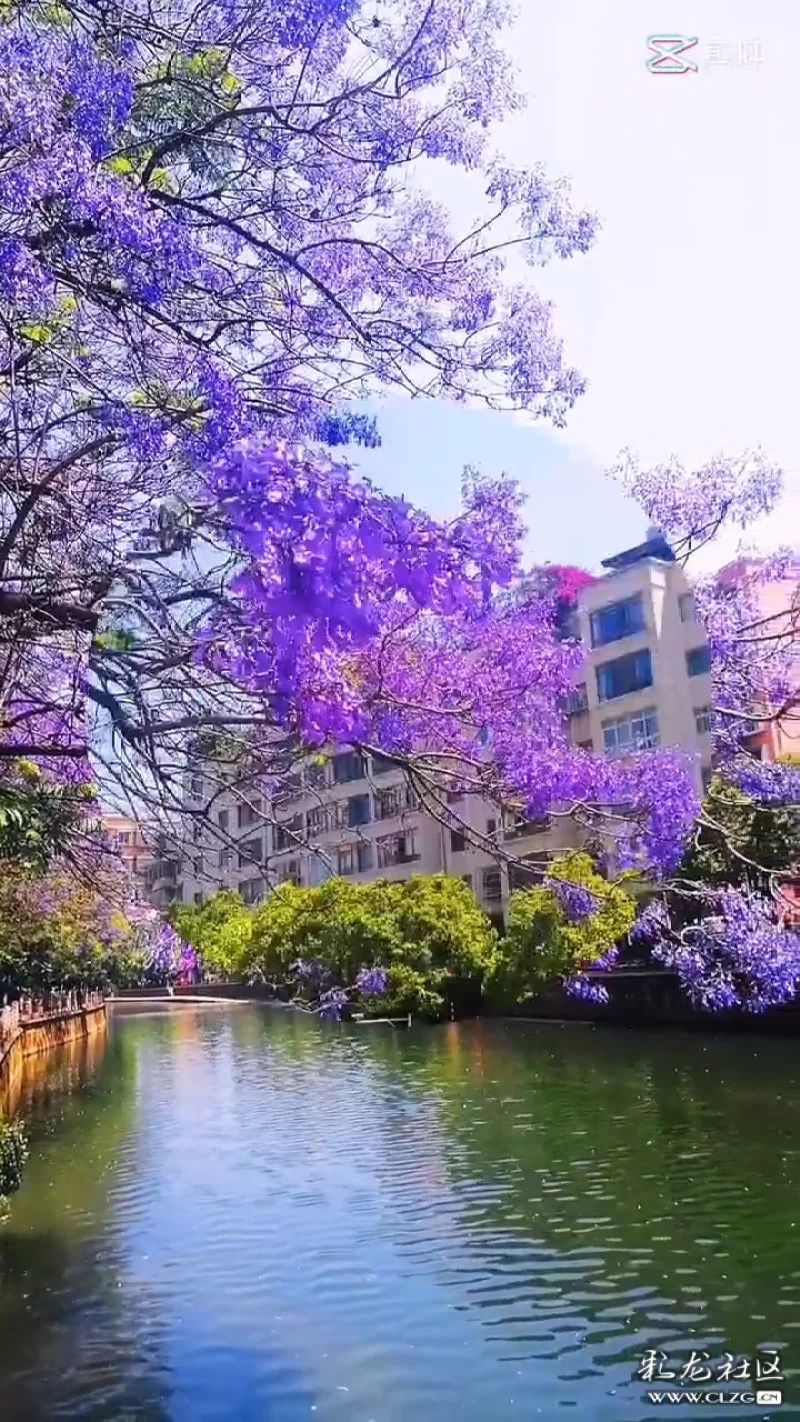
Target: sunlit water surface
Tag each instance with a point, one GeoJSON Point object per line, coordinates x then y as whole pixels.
{"type": "Point", "coordinates": [233, 1212]}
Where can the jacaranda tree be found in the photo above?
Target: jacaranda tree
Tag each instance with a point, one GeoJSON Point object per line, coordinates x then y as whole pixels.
{"type": "Point", "coordinates": [215, 237]}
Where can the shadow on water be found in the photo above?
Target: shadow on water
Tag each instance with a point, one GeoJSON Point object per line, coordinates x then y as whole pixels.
{"type": "Point", "coordinates": [250, 1215]}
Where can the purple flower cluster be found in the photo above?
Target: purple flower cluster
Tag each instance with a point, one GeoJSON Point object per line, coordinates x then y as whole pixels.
{"type": "Point", "coordinates": [585, 990]}
{"type": "Point", "coordinates": [652, 924]}
{"type": "Point", "coordinates": [737, 956]}
{"type": "Point", "coordinates": [310, 973]}
{"type": "Point", "coordinates": [766, 782]}
{"type": "Point", "coordinates": [577, 902]}
{"type": "Point", "coordinates": [332, 1004]}
{"type": "Point", "coordinates": [372, 981]}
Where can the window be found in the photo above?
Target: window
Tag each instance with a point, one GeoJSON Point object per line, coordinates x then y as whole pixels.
{"type": "Point", "coordinates": [248, 815]}
{"type": "Point", "coordinates": [702, 719]}
{"type": "Point", "coordinates": [346, 859]}
{"type": "Point", "coordinates": [358, 811]}
{"type": "Point", "coordinates": [196, 787]}
{"type": "Point", "coordinates": [491, 826]}
{"type": "Point", "coordinates": [197, 864]}
{"type": "Point", "coordinates": [632, 733]}
{"type": "Point", "coordinates": [578, 700]}
{"type": "Point", "coordinates": [698, 661]}
{"type": "Point", "coordinates": [318, 819]}
{"type": "Point", "coordinates": [567, 625]}
{"type": "Point", "coordinates": [250, 851]}
{"type": "Point", "coordinates": [586, 745]}
{"type": "Point", "coordinates": [467, 879]}
{"type": "Point", "coordinates": [125, 837]}
{"type": "Point", "coordinates": [382, 766]}
{"type": "Point", "coordinates": [348, 766]}
{"type": "Point", "coordinates": [392, 801]}
{"type": "Point", "coordinates": [289, 873]}
{"type": "Point", "coordinates": [198, 898]}
{"type": "Point", "coordinates": [286, 835]}
{"type": "Point", "coordinates": [686, 607]}
{"type": "Point", "coordinates": [525, 875]}
{"type": "Point", "coordinates": [624, 674]}
{"type": "Point", "coordinates": [354, 858]}
{"type": "Point", "coordinates": [458, 841]}
{"type": "Point", "coordinates": [225, 858]}
{"type": "Point", "coordinates": [197, 831]}
{"type": "Point", "coordinates": [252, 890]}
{"type": "Point", "coordinates": [484, 736]}
{"type": "Point", "coordinates": [618, 620]}
{"type": "Point", "coordinates": [318, 871]}
{"type": "Point", "coordinates": [222, 819]}
{"type": "Point", "coordinates": [316, 776]}
{"type": "Point", "coordinates": [397, 849]}
{"type": "Point", "coordinates": [454, 796]}
{"type": "Point", "coordinates": [492, 885]}
{"type": "Point", "coordinates": [706, 775]}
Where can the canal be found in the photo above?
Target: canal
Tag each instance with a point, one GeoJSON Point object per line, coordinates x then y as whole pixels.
{"type": "Point", "coordinates": [235, 1212]}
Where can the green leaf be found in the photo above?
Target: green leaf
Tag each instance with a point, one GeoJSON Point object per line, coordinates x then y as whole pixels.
{"type": "Point", "coordinates": [38, 335]}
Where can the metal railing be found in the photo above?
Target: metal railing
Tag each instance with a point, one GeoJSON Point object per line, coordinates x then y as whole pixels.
{"type": "Point", "coordinates": [27, 1010]}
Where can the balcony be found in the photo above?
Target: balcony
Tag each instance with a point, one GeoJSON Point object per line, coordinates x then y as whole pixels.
{"type": "Point", "coordinates": [520, 829]}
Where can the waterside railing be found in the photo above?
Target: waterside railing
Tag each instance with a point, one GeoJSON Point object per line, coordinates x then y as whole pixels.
{"type": "Point", "coordinates": [27, 1011]}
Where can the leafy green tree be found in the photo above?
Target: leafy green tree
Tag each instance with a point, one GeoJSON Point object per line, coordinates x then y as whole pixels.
{"type": "Point", "coordinates": [428, 933]}
{"type": "Point", "coordinates": [543, 942]}
{"type": "Point", "coordinates": [220, 930]}
{"type": "Point", "coordinates": [39, 818]}
{"type": "Point", "coordinates": [740, 842]}
{"type": "Point", "coordinates": [54, 931]}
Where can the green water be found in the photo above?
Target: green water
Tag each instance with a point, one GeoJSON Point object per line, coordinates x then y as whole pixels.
{"type": "Point", "coordinates": [239, 1213]}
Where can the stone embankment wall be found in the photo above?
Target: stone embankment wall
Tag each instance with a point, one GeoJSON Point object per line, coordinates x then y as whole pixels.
{"type": "Point", "coordinates": [28, 1036]}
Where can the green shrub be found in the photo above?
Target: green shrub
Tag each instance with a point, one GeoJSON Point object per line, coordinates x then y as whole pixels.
{"type": "Point", "coordinates": [542, 944]}
{"type": "Point", "coordinates": [427, 932]}
{"type": "Point", "coordinates": [13, 1154]}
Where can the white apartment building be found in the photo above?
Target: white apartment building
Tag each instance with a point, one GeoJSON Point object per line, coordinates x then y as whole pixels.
{"type": "Point", "coordinates": [646, 675]}
{"type": "Point", "coordinates": [646, 683]}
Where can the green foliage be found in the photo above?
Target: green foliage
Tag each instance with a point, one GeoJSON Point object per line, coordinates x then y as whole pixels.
{"type": "Point", "coordinates": [13, 1154]}
{"type": "Point", "coordinates": [220, 930]}
{"type": "Point", "coordinates": [739, 843]}
{"type": "Point", "coordinates": [55, 931]}
{"type": "Point", "coordinates": [38, 819]}
{"type": "Point", "coordinates": [542, 944]}
{"type": "Point", "coordinates": [427, 932]}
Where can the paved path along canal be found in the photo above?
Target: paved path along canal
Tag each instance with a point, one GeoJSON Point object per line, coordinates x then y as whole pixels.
{"type": "Point", "coordinates": [240, 1213]}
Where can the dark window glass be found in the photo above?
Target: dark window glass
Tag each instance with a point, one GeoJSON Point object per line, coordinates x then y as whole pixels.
{"type": "Point", "coordinates": [698, 661]}
{"type": "Point", "coordinates": [624, 674]}
{"type": "Point", "coordinates": [618, 620]}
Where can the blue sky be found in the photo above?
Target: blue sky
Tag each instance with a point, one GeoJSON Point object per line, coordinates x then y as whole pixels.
{"type": "Point", "coordinates": [685, 316]}
{"type": "Point", "coordinates": [574, 513]}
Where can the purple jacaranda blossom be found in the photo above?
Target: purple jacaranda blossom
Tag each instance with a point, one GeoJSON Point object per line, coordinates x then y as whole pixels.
{"type": "Point", "coordinates": [372, 981]}
{"type": "Point", "coordinates": [737, 955]}
{"type": "Point", "coordinates": [577, 901]}
{"type": "Point", "coordinates": [581, 987]}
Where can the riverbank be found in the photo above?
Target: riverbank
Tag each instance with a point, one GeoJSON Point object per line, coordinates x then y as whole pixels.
{"type": "Point", "coordinates": [638, 998]}
{"type": "Point", "coordinates": [27, 1036]}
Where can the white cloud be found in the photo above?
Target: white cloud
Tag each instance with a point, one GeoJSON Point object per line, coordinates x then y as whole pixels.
{"type": "Point", "coordinates": [686, 315]}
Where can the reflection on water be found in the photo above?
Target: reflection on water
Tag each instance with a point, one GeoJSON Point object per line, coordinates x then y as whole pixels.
{"type": "Point", "coordinates": [243, 1214]}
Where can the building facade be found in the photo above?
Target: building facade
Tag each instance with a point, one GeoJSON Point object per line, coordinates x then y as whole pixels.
{"type": "Point", "coordinates": [129, 841]}
{"type": "Point", "coordinates": [645, 683]}
{"type": "Point", "coordinates": [646, 680]}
